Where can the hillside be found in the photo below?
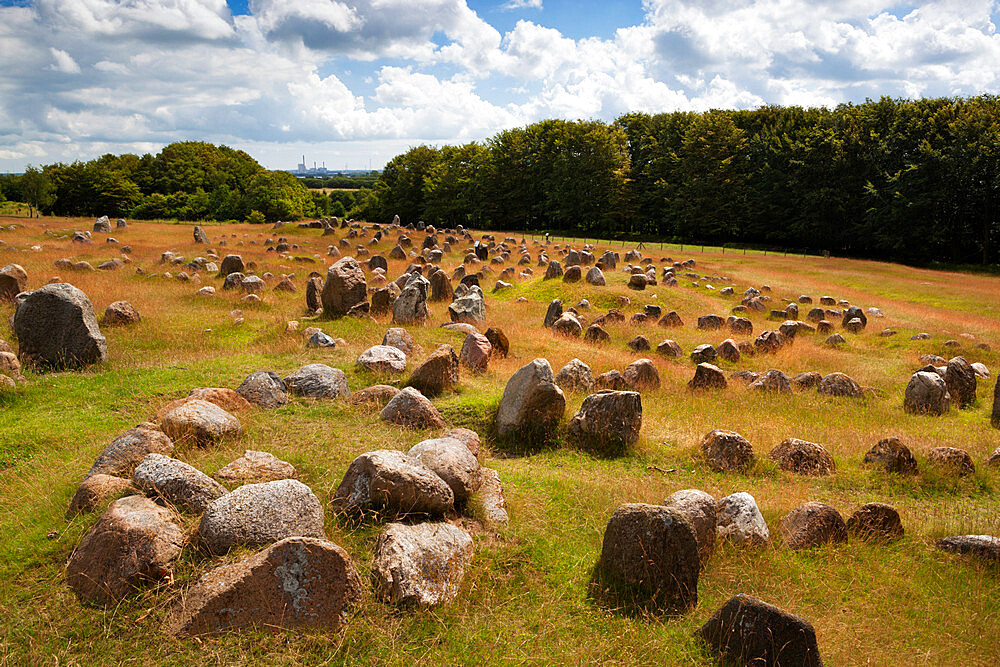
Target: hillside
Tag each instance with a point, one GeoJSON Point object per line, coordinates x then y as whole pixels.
{"type": "Point", "coordinates": [527, 596]}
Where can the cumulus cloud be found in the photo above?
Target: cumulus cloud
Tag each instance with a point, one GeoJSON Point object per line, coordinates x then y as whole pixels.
{"type": "Point", "coordinates": [81, 78]}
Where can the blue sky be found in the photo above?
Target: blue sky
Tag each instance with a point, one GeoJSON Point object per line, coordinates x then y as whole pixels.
{"type": "Point", "coordinates": [354, 82]}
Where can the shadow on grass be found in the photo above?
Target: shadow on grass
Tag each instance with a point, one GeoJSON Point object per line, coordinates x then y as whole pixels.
{"type": "Point", "coordinates": [631, 601]}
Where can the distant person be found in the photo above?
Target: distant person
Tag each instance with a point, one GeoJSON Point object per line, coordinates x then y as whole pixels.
{"type": "Point", "coordinates": [546, 238]}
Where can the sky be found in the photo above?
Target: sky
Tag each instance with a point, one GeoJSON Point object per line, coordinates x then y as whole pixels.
{"type": "Point", "coordinates": [354, 82]}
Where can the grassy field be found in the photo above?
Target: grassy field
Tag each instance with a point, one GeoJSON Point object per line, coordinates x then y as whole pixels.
{"type": "Point", "coordinates": [525, 599]}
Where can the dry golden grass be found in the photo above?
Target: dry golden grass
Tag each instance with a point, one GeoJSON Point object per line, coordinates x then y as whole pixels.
{"type": "Point", "coordinates": [525, 600]}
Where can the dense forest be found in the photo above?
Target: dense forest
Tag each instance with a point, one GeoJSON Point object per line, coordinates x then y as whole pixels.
{"type": "Point", "coordinates": [185, 181]}
{"type": "Point", "coordinates": [913, 181]}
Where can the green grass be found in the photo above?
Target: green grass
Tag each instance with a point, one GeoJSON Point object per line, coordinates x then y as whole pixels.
{"type": "Point", "coordinates": [528, 596]}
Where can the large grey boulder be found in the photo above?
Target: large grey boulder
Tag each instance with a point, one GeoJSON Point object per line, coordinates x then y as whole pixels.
{"type": "Point", "coordinates": [420, 565]}
{"type": "Point", "coordinates": [318, 381]}
{"type": "Point", "coordinates": [739, 521]}
{"type": "Point", "coordinates": [875, 522]}
{"type": "Point", "coordinates": [607, 422]}
{"type": "Point", "coordinates": [595, 276]}
{"type": "Point", "coordinates": [927, 393]}
{"type": "Point", "coordinates": [133, 543]}
{"type": "Point", "coordinates": [532, 403]}
{"type": "Point", "coordinates": [257, 514]}
{"type": "Point", "coordinates": [839, 384]}
{"type": "Point", "coordinates": [125, 452]}
{"type": "Point", "coordinates": [452, 461]}
{"type": "Point", "coordinates": [469, 308]}
{"type": "Point", "coordinates": [176, 482]}
{"type": "Point", "coordinates": [803, 458]}
{"type": "Point", "coordinates": [200, 422]}
{"type": "Point", "coordinates": [410, 307]}
{"type": "Point", "coordinates": [265, 389]}
{"type": "Point", "coordinates": [345, 288]}
{"type": "Point", "coordinates": [893, 456]}
{"type": "Point", "coordinates": [748, 631]}
{"type": "Point", "coordinates": [296, 582]}
{"type": "Point", "coordinates": [390, 483]}
{"type": "Point", "coordinates": [649, 557]}
{"type": "Point", "coordinates": [553, 313]}
{"type": "Point", "coordinates": [383, 359]}
{"type": "Point", "coordinates": [56, 328]}
{"type": "Point", "coordinates": [641, 375]}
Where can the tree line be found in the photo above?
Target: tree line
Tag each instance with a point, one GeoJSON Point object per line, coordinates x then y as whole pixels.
{"type": "Point", "coordinates": [187, 180]}
{"type": "Point", "coordinates": [910, 180]}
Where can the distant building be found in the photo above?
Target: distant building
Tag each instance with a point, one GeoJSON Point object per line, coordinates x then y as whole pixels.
{"type": "Point", "coordinates": [302, 170]}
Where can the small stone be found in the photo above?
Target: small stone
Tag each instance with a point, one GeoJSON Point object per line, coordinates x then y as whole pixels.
{"type": "Point", "coordinates": [727, 450]}
{"type": "Point", "coordinates": [951, 459]}
{"type": "Point", "coordinates": [254, 468]}
{"type": "Point", "coordinates": [749, 631]}
{"type": "Point", "coordinates": [875, 522]}
{"type": "Point", "coordinates": [893, 456]}
{"type": "Point", "coordinates": [803, 458]}
{"type": "Point", "coordinates": [410, 408]}
{"type": "Point", "coordinates": [813, 524]}
{"type": "Point", "coordinates": [740, 521]}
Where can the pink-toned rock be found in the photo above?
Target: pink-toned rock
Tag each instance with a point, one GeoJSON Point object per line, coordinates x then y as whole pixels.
{"type": "Point", "coordinates": [95, 492]}
{"type": "Point", "coordinates": [476, 352]}
{"type": "Point", "coordinates": [134, 542]}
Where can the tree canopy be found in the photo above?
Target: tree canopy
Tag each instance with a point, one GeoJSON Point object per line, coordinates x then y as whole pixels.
{"type": "Point", "coordinates": [910, 180]}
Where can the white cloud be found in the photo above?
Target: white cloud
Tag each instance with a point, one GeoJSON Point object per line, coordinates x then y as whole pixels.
{"type": "Point", "coordinates": [81, 78]}
{"type": "Point", "coordinates": [63, 62]}
{"type": "Point", "coordinates": [522, 4]}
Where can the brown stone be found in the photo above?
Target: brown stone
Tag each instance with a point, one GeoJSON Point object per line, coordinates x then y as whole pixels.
{"type": "Point", "coordinates": [727, 450]}
{"type": "Point", "coordinates": [649, 557]}
{"type": "Point", "coordinates": [803, 458]}
{"type": "Point", "coordinates": [133, 543]}
{"type": "Point", "coordinates": [297, 582]}
{"type": "Point", "coordinates": [811, 525]}
{"type": "Point", "coordinates": [437, 373]}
